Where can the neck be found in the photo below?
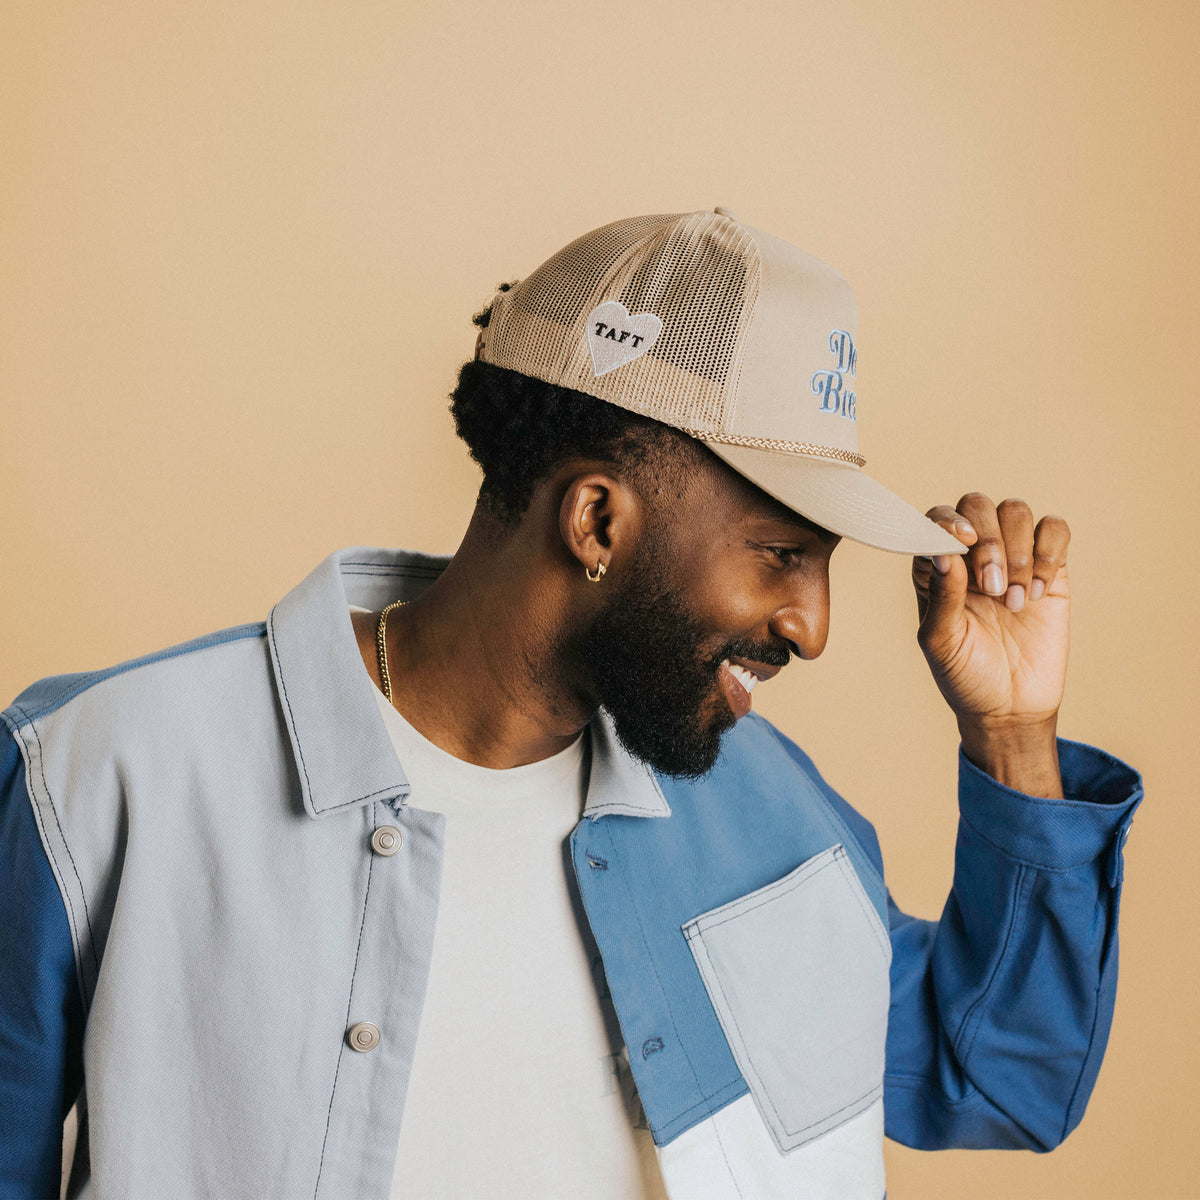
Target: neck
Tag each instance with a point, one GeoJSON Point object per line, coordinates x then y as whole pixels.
{"type": "Point", "coordinates": [476, 661]}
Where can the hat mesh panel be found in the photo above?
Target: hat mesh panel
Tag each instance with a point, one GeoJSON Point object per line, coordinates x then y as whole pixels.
{"type": "Point", "coordinates": [697, 284]}
{"type": "Point", "coordinates": [555, 290]}
{"type": "Point", "coordinates": [698, 272]}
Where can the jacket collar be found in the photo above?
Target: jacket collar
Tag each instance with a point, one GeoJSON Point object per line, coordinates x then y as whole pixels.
{"type": "Point", "coordinates": [619, 784]}
{"type": "Point", "coordinates": [343, 754]}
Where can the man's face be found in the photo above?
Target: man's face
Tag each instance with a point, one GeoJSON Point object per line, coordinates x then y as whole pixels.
{"type": "Point", "coordinates": [719, 592]}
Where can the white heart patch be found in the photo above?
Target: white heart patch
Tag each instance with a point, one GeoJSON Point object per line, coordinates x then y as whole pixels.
{"type": "Point", "coordinates": [615, 337]}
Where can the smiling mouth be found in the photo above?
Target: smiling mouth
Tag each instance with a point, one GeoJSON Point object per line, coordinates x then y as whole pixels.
{"type": "Point", "coordinates": [737, 682]}
{"type": "Point", "coordinates": [745, 677]}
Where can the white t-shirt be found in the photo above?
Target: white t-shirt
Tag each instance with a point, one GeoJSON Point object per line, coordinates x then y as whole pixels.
{"type": "Point", "coordinates": [520, 1087]}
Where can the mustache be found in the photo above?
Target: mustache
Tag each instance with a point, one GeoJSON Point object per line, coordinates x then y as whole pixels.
{"type": "Point", "coordinates": [764, 652]}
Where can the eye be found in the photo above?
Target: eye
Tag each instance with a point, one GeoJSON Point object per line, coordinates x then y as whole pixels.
{"type": "Point", "coordinates": [788, 556]}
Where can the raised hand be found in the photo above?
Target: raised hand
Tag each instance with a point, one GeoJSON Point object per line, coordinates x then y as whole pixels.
{"type": "Point", "coordinates": [994, 628]}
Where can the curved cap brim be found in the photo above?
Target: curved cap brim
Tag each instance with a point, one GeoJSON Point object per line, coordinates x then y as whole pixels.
{"type": "Point", "coordinates": [841, 499]}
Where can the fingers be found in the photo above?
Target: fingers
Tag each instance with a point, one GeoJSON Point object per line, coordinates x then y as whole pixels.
{"type": "Point", "coordinates": [1016, 529]}
{"type": "Point", "coordinates": [1009, 558]}
{"type": "Point", "coordinates": [1050, 542]}
{"type": "Point", "coordinates": [953, 522]}
{"type": "Point", "coordinates": [988, 558]}
{"type": "Point", "coordinates": [941, 585]}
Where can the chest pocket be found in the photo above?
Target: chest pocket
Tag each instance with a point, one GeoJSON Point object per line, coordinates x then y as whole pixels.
{"type": "Point", "coordinates": [798, 974]}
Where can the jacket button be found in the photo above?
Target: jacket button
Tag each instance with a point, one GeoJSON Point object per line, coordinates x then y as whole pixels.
{"type": "Point", "coordinates": [363, 1037]}
{"type": "Point", "coordinates": [386, 840]}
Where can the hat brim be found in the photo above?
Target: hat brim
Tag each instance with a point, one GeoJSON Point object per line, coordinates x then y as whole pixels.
{"type": "Point", "coordinates": [840, 498]}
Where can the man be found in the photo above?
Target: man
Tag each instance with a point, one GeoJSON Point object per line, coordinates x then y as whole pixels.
{"type": "Point", "coordinates": [297, 927]}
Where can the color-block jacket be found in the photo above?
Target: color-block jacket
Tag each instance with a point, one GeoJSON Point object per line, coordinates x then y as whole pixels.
{"type": "Point", "coordinates": [193, 916]}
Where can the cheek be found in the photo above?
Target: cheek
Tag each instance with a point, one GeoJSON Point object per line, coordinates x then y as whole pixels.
{"type": "Point", "coordinates": [727, 612]}
{"type": "Point", "coordinates": [728, 594]}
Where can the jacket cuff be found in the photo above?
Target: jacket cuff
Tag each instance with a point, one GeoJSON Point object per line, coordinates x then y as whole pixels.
{"type": "Point", "coordinates": [1102, 794]}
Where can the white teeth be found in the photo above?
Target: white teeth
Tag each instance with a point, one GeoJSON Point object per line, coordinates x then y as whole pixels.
{"type": "Point", "coordinates": [747, 679]}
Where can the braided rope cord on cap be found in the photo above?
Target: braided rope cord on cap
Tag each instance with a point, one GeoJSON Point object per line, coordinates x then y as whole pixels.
{"type": "Point", "coordinates": [757, 443]}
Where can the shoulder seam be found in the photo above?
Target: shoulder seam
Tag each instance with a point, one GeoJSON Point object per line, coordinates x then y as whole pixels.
{"type": "Point", "coordinates": [81, 683]}
{"type": "Point", "coordinates": [56, 867]}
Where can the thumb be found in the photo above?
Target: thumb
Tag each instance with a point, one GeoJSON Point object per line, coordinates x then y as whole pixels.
{"type": "Point", "coordinates": [943, 619]}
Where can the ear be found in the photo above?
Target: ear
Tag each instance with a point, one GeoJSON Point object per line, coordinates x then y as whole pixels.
{"type": "Point", "coordinates": [599, 520]}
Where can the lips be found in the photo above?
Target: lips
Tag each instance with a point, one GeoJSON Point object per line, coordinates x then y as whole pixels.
{"type": "Point", "coordinates": [739, 679]}
{"type": "Point", "coordinates": [746, 678]}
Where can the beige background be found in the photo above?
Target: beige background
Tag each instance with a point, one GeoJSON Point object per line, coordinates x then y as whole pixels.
{"type": "Point", "coordinates": [240, 245]}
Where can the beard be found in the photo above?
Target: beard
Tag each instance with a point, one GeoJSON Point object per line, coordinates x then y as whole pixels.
{"type": "Point", "coordinates": [647, 661]}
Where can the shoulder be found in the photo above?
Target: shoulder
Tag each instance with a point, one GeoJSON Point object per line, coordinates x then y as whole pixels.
{"type": "Point", "coordinates": [759, 761]}
{"type": "Point", "coordinates": [145, 690]}
{"type": "Point", "coordinates": [754, 750]}
{"type": "Point", "coordinates": [755, 738]}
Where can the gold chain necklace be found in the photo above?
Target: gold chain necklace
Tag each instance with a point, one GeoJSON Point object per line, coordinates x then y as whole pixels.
{"type": "Point", "coordinates": [381, 649]}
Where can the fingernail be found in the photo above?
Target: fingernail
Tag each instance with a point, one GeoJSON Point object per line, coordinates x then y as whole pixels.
{"type": "Point", "coordinates": [1036, 588]}
{"type": "Point", "coordinates": [964, 528]}
{"type": "Point", "coordinates": [993, 580]}
{"type": "Point", "coordinates": [1014, 598]}
{"type": "Point", "coordinates": [941, 563]}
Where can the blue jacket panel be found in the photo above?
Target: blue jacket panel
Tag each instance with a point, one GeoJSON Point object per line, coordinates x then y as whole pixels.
{"type": "Point", "coordinates": [41, 1010]}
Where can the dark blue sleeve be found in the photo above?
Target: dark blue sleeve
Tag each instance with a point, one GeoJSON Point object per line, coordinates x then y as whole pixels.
{"type": "Point", "coordinates": [41, 1014]}
{"type": "Point", "coordinates": [1001, 1010]}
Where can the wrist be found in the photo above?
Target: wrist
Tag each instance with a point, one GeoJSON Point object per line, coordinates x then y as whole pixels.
{"type": "Point", "coordinates": [1020, 753]}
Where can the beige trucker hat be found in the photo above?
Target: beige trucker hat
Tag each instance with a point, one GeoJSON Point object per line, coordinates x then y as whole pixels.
{"type": "Point", "coordinates": [729, 334]}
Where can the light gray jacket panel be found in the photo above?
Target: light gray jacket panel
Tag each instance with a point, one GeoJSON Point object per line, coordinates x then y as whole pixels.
{"type": "Point", "coordinates": [202, 1020]}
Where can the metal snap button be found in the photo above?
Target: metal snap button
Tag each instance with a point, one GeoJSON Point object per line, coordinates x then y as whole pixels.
{"type": "Point", "coordinates": [363, 1037]}
{"type": "Point", "coordinates": [386, 840]}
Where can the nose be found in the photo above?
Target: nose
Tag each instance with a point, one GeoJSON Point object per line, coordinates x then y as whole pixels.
{"type": "Point", "coordinates": [802, 620]}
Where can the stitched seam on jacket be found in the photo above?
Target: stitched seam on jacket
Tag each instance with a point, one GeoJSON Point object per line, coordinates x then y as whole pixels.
{"type": "Point", "coordinates": [1111, 931]}
{"type": "Point", "coordinates": [707, 1102]}
{"type": "Point", "coordinates": [1019, 898]}
{"type": "Point", "coordinates": [76, 935]}
{"type": "Point", "coordinates": [670, 1015]}
{"type": "Point", "coordinates": [345, 1024]}
{"type": "Point", "coordinates": [875, 1090]}
{"type": "Point", "coordinates": [66, 845]}
{"type": "Point", "coordinates": [765, 1094]}
{"type": "Point", "coordinates": [849, 837]}
{"type": "Point", "coordinates": [1029, 862]}
{"type": "Point", "coordinates": [783, 887]}
{"type": "Point", "coordinates": [868, 910]}
{"type": "Point", "coordinates": [924, 1083]}
{"type": "Point", "coordinates": [786, 886]}
{"type": "Point", "coordinates": [92, 679]}
{"type": "Point", "coordinates": [415, 570]}
{"type": "Point", "coordinates": [387, 791]}
{"type": "Point", "coordinates": [1071, 747]}
{"type": "Point", "coordinates": [287, 701]}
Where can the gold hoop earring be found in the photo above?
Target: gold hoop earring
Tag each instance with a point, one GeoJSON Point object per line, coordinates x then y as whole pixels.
{"type": "Point", "coordinates": [599, 575]}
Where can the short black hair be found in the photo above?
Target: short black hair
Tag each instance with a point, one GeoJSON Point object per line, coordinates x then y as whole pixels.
{"type": "Point", "coordinates": [519, 429]}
